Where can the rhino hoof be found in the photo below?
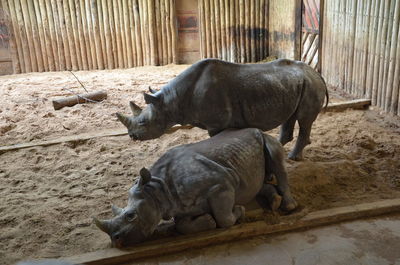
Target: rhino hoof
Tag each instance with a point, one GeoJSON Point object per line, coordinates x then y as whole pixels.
{"type": "Point", "coordinates": [295, 157]}
{"type": "Point", "coordinates": [288, 205]}
{"type": "Point", "coordinates": [276, 202]}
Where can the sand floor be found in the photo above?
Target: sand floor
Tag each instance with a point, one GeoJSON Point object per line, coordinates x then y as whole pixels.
{"type": "Point", "coordinates": [50, 193]}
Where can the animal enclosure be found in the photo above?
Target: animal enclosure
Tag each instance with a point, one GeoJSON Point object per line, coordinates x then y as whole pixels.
{"type": "Point", "coordinates": [50, 191]}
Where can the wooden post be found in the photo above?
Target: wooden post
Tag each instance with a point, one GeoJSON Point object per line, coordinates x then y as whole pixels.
{"type": "Point", "coordinates": [144, 31]}
{"type": "Point", "coordinates": [91, 33]}
{"type": "Point", "coordinates": [49, 54]}
{"type": "Point", "coordinates": [35, 35]}
{"type": "Point", "coordinates": [113, 33]}
{"type": "Point", "coordinates": [81, 35]}
{"type": "Point", "coordinates": [203, 48]}
{"type": "Point", "coordinates": [60, 65]}
{"type": "Point", "coordinates": [101, 25]}
{"type": "Point", "coordinates": [232, 30]}
{"type": "Point", "coordinates": [75, 34]}
{"type": "Point", "coordinates": [15, 40]}
{"type": "Point", "coordinates": [127, 36]}
{"type": "Point", "coordinates": [242, 24]}
{"type": "Point", "coordinates": [42, 39]}
{"type": "Point", "coordinates": [168, 27]}
{"type": "Point", "coordinates": [217, 12]}
{"type": "Point", "coordinates": [256, 29]}
{"type": "Point", "coordinates": [372, 48]}
{"type": "Point", "coordinates": [208, 35]}
{"type": "Point", "coordinates": [174, 31]}
{"type": "Point", "coordinates": [86, 33]}
{"type": "Point", "coordinates": [53, 36]}
{"type": "Point", "coordinates": [29, 35]}
{"type": "Point", "coordinates": [222, 13]}
{"type": "Point", "coordinates": [138, 37]}
{"type": "Point", "coordinates": [108, 37]}
{"type": "Point", "coordinates": [64, 35]}
{"type": "Point", "coordinates": [163, 33]}
{"type": "Point", "coordinates": [251, 34]}
{"type": "Point", "coordinates": [118, 21]}
{"type": "Point", "coordinates": [132, 33]}
{"type": "Point", "coordinates": [24, 40]}
{"type": "Point", "coordinates": [152, 32]}
{"type": "Point", "coordinates": [97, 38]}
{"type": "Point", "coordinates": [70, 36]}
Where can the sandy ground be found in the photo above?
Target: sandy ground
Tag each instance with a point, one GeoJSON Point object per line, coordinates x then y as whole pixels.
{"type": "Point", "coordinates": [48, 194]}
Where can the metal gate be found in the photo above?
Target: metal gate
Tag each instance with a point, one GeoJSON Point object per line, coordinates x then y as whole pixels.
{"type": "Point", "coordinates": [310, 33]}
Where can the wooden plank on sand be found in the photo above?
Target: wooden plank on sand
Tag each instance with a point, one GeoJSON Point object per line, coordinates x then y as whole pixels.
{"type": "Point", "coordinates": [180, 243]}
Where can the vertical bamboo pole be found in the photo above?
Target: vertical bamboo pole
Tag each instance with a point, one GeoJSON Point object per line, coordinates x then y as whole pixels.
{"type": "Point", "coordinates": [138, 37]}
{"type": "Point", "coordinates": [248, 16]}
{"type": "Point", "coordinates": [118, 21]}
{"type": "Point", "coordinates": [35, 35]}
{"type": "Point", "coordinates": [207, 21]}
{"type": "Point", "coordinates": [226, 30]}
{"type": "Point", "coordinates": [48, 29]}
{"type": "Point", "coordinates": [126, 33]}
{"type": "Point", "coordinates": [212, 29]}
{"type": "Point", "coordinates": [29, 35]}
{"type": "Point", "coordinates": [232, 31]}
{"type": "Point", "coordinates": [113, 40]}
{"type": "Point", "coordinates": [388, 43]}
{"type": "Point", "coordinates": [145, 32]}
{"type": "Point", "coordinates": [257, 29]}
{"type": "Point", "coordinates": [386, 15]}
{"type": "Point", "coordinates": [252, 30]}
{"type": "Point", "coordinates": [242, 31]}
{"type": "Point", "coordinates": [163, 33]}
{"type": "Point", "coordinates": [395, 97]}
{"type": "Point", "coordinates": [237, 31]}
{"type": "Point", "coordinates": [96, 31]}
{"type": "Point", "coordinates": [366, 35]}
{"type": "Point", "coordinates": [53, 35]}
{"type": "Point", "coordinates": [41, 34]}
{"type": "Point", "coordinates": [75, 34]}
{"type": "Point", "coordinates": [372, 48]}
{"type": "Point", "coordinates": [217, 12]}
{"type": "Point", "coordinates": [132, 33]}
{"type": "Point", "coordinates": [81, 35]}
{"type": "Point", "coordinates": [222, 12]}
{"type": "Point", "coordinates": [101, 26]}
{"type": "Point", "coordinates": [152, 31]}
{"type": "Point", "coordinates": [90, 30]}
{"type": "Point", "coordinates": [174, 31]}
{"type": "Point", "coordinates": [354, 83]}
{"type": "Point", "coordinates": [70, 36]}
{"type": "Point", "coordinates": [107, 33]}
{"type": "Point", "coordinates": [158, 30]}
{"type": "Point", "coordinates": [14, 38]}
{"type": "Point", "coordinates": [85, 31]}
{"type": "Point", "coordinates": [64, 35]}
{"type": "Point", "coordinates": [58, 47]}
{"type": "Point", "coordinates": [393, 57]}
{"type": "Point", "coordinates": [124, 50]}
{"type": "Point", "coordinates": [202, 29]}
{"type": "Point", "coordinates": [24, 38]}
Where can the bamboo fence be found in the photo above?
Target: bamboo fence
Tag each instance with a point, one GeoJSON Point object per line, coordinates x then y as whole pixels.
{"type": "Point", "coordinates": [234, 30]}
{"type": "Point", "coordinates": [361, 50]}
{"type": "Point", "coordinates": [56, 35]}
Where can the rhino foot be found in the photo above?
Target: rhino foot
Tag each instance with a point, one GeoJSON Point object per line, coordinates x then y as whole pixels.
{"type": "Point", "coordinates": [288, 204]}
{"type": "Point", "coordinates": [295, 157]}
{"type": "Point", "coordinates": [188, 225]}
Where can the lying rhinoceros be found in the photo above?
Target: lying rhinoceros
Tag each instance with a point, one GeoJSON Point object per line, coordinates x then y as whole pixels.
{"type": "Point", "coordinates": [215, 95]}
{"type": "Point", "coordinates": [202, 185]}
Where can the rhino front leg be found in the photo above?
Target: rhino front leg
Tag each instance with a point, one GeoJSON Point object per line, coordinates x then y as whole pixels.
{"type": "Point", "coordinates": [225, 212]}
{"type": "Point", "coordinates": [190, 224]}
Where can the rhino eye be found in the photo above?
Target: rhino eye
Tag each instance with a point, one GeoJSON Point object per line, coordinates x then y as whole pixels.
{"type": "Point", "coordinates": [130, 216]}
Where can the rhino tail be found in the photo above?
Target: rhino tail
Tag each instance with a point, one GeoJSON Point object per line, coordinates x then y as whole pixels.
{"type": "Point", "coordinates": [326, 93]}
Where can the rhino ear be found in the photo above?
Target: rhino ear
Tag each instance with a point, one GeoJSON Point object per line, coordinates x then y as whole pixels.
{"type": "Point", "coordinates": [151, 99]}
{"type": "Point", "coordinates": [152, 91]}
{"type": "Point", "coordinates": [116, 210]}
{"type": "Point", "coordinates": [136, 110]}
{"type": "Point", "coordinates": [145, 176]}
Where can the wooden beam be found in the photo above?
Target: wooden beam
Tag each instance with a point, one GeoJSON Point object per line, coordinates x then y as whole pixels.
{"type": "Point", "coordinates": [352, 104]}
{"type": "Point", "coordinates": [241, 231]}
{"type": "Point", "coordinates": [80, 137]}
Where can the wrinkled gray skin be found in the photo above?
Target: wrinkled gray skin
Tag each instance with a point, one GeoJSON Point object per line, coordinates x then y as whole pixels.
{"type": "Point", "coordinates": [215, 95]}
{"type": "Point", "coordinates": [203, 186]}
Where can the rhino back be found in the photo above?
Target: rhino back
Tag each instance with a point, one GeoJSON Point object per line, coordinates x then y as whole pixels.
{"type": "Point", "coordinates": [219, 94]}
{"type": "Point", "coordinates": [233, 158]}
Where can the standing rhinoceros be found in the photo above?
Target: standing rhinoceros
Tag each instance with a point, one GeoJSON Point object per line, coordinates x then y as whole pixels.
{"type": "Point", "coordinates": [202, 185]}
{"type": "Point", "coordinates": [215, 95]}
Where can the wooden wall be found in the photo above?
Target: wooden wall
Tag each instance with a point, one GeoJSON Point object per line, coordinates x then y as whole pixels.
{"type": "Point", "coordinates": [234, 30]}
{"type": "Point", "coordinates": [53, 35]}
{"type": "Point", "coordinates": [5, 54]}
{"type": "Point", "coordinates": [285, 28]}
{"type": "Point", "coordinates": [361, 49]}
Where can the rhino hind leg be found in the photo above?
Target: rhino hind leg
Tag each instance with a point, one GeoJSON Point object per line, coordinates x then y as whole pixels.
{"type": "Point", "coordinates": [224, 211]}
{"type": "Point", "coordinates": [269, 192]}
{"type": "Point", "coordinates": [286, 131]}
{"type": "Point", "coordinates": [302, 141]}
{"type": "Point", "coordinates": [190, 224]}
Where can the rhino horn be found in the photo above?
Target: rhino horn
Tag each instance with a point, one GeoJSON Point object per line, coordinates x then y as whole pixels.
{"type": "Point", "coordinates": [104, 225]}
{"type": "Point", "coordinates": [136, 110]}
{"type": "Point", "coordinates": [116, 210]}
{"type": "Point", "coordinates": [124, 119]}
{"type": "Point", "coordinates": [152, 91]}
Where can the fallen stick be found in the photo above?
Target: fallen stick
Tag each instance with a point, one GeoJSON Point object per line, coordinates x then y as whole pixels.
{"type": "Point", "coordinates": [352, 104]}
{"type": "Point", "coordinates": [79, 99]}
{"type": "Point", "coordinates": [180, 243]}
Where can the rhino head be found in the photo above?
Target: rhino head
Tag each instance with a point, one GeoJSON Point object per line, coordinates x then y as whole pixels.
{"type": "Point", "coordinates": [149, 123]}
{"type": "Point", "coordinates": [137, 221]}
